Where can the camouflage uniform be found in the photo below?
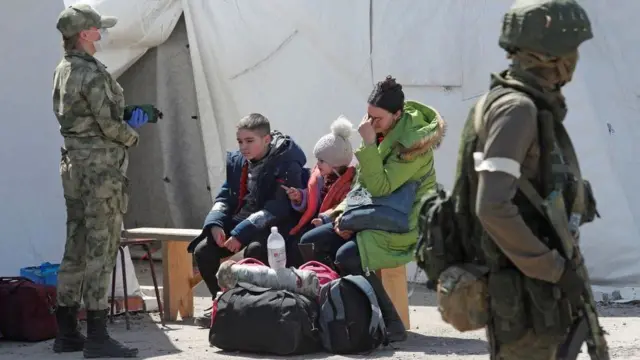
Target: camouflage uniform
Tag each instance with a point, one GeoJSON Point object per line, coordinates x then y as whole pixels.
{"type": "Point", "coordinates": [89, 105]}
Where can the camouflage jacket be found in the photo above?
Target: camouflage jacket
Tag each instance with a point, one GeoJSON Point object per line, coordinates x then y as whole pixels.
{"type": "Point", "coordinates": [89, 104]}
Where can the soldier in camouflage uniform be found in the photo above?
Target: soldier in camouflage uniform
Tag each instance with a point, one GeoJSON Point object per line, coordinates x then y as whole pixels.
{"type": "Point", "coordinates": [503, 245]}
{"type": "Point", "coordinates": [529, 316]}
{"type": "Point", "coordinates": [89, 106]}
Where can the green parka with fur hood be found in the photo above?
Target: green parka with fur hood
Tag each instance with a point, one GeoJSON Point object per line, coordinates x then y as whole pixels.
{"type": "Point", "coordinates": [408, 150]}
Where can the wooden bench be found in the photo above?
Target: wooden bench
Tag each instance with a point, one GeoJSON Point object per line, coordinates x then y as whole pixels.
{"type": "Point", "coordinates": [395, 283]}
{"type": "Point", "coordinates": [177, 268]}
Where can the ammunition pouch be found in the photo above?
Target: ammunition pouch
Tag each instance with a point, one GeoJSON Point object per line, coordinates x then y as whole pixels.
{"type": "Point", "coordinates": [506, 300]}
{"type": "Point", "coordinates": [463, 298]}
{"type": "Point", "coordinates": [549, 313]}
{"type": "Point", "coordinates": [519, 303]}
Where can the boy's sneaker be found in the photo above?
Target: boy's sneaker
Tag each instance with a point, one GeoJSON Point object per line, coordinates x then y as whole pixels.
{"type": "Point", "coordinates": [204, 320]}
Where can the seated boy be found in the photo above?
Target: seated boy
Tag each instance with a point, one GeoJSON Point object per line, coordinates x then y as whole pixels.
{"type": "Point", "coordinates": [251, 200]}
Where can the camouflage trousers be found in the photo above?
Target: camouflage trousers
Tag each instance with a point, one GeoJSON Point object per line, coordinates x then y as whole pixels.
{"type": "Point", "coordinates": [94, 186]}
{"type": "Point", "coordinates": [530, 347]}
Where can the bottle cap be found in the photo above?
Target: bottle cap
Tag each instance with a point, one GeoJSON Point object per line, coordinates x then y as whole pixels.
{"type": "Point", "coordinates": [274, 229]}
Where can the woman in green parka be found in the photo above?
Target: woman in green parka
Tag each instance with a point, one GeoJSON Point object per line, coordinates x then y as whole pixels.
{"type": "Point", "coordinates": [398, 139]}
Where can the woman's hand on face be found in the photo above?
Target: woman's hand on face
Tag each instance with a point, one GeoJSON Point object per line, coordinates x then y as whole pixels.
{"type": "Point", "coordinates": [366, 130]}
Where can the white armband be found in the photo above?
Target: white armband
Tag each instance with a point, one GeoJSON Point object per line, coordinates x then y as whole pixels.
{"type": "Point", "coordinates": [502, 164]}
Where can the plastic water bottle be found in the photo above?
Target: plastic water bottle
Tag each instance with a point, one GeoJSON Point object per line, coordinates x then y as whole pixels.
{"type": "Point", "coordinates": [276, 248]}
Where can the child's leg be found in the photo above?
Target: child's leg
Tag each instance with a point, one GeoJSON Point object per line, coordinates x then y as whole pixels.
{"type": "Point", "coordinates": [325, 243]}
{"type": "Point", "coordinates": [348, 258]}
{"type": "Point", "coordinates": [257, 250]}
{"type": "Point", "coordinates": [295, 255]}
{"type": "Point", "coordinates": [208, 256]}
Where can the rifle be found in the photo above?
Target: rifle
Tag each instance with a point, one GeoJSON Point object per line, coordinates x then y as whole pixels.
{"type": "Point", "coordinates": [587, 327]}
{"type": "Point", "coordinates": [578, 334]}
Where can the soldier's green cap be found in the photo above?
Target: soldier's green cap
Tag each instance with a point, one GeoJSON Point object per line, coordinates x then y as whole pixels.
{"type": "Point", "coordinates": [80, 17]}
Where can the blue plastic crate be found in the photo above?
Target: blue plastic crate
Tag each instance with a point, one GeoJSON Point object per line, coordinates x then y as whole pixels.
{"type": "Point", "coordinates": [46, 273]}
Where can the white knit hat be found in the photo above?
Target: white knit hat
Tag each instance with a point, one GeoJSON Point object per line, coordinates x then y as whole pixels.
{"type": "Point", "coordinates": [335, 148]}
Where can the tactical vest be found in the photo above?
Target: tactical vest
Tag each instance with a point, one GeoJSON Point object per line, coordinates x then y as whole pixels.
{"type": "Point", "coordinates": [452, 237]}
{"type": "Point", "coordinates": [554, 171]}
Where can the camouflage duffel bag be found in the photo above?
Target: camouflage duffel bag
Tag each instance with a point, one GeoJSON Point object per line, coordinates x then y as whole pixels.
{"type": "Point", "coordinates": [463, 299]}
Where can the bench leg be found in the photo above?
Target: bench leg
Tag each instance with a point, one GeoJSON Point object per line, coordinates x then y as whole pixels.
{"type": "Point", "coordinates": [177, 272]}
{"type": "Point", "coordinates": [395, 284]}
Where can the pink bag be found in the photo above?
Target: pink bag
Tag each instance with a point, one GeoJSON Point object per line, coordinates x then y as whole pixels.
{"type": "Point", "coordinates": [250, 261]}
{"type": "Point", "coordinates": [325, 274]}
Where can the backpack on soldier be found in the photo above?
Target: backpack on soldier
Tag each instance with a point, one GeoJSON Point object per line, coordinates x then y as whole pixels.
{"type": "Point", "coordinates": [461, 287]}
{"type": "Point", "coordinates": [350, 318]}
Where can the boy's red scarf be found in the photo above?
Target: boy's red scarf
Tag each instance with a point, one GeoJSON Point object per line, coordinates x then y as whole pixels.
{"type": "Point", "coordinates": [337, 192]}
{"type": "Point", "coordinates": [243, 186]}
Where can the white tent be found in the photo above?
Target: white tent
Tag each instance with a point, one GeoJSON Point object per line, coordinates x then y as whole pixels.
{"type": "Point", "coordinates": [301, 63]}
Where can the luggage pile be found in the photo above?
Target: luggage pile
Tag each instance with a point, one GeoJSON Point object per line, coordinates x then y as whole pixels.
{"type": "Point", "coordinates": [291, 311]}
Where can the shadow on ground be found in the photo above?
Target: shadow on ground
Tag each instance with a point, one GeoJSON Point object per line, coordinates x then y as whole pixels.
{"type": "Point", "coordinates": [421, 296]}
{"type": "Point", "coordinates": [416, 344]}
{"type": "Point", "coordinates": [149, 338]}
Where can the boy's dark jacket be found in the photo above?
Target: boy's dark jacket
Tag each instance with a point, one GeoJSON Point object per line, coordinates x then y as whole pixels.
{"type": "Point", "coordinates": [283, 166]}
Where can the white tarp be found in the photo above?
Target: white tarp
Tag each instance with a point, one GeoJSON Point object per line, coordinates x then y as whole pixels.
{"type": "Point", "coordinates": [32, 215]}
{"type": "Point", "coordinates": [304, 63]}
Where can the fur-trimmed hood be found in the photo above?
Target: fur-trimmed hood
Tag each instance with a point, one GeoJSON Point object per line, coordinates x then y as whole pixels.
{"type": "Point", "coordinates": [420, 130]}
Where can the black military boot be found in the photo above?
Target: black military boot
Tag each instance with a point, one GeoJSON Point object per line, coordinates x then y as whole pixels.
{"type": "Point", "coordinates": [395, 328]}
{"type": "Point", "coordinates": [69, 338]}
{"type": "Point", "coordinates": [99, 344]}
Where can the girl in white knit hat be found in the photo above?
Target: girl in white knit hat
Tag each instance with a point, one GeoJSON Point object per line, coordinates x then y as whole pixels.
{"type": "Point", "coordinates": [330, 179]}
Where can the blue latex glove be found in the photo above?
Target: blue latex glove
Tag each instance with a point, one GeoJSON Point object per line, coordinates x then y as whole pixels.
{"type": "Point", "coordinates": [138, 118]}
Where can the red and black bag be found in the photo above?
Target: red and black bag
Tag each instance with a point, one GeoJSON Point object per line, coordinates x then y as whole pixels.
{"type": "Point", "coordinates": [27, 310]}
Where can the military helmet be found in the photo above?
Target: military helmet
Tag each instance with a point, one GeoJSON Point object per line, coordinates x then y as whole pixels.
{"type": "Point", "coordinates": [549, 27]}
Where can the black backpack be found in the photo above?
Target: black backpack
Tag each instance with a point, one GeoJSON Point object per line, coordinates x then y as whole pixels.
{"type": "Point", "coordinates": [261, 320]}
{"type": "Point", "coordinates": [350, 318]}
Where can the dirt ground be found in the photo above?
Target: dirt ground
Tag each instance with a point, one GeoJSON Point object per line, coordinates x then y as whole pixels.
{"type": "Point", "coordinates": [429, 336]}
